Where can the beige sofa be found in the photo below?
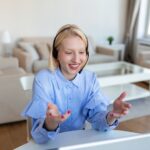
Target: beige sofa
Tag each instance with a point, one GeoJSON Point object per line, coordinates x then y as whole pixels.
{"type": "Point", "coordinates": [12, 97]}
{"type": "Point", "coordinates": [33, 53]}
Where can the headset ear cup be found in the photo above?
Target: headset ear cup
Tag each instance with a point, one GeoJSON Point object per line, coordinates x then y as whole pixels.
{"type": "Point", "coordinates": [55, 53]}
{"type": "Point", "coordinates": [54, 50]}
{"type": "Point", "coordinates": [87, 50]}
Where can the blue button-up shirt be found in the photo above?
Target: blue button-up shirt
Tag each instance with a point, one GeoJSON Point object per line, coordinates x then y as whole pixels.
{"type": "Point", "coordinates": [82, 96]}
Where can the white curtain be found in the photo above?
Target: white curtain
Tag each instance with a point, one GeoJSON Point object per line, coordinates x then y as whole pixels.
{"type": "Point", "coordinates": [130, 35]}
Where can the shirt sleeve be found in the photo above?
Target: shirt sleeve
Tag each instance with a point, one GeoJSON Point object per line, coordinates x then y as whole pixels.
{"type": "Point", "coordinates": [96, 108]}
{"type": "Point", "coordinates": [40, 134]}
{"type": "Point", "coordinates": [36, 109]}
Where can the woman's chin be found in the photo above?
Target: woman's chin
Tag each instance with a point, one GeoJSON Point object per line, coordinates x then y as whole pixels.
{"type": "Point", "coordinates": [73, 72]}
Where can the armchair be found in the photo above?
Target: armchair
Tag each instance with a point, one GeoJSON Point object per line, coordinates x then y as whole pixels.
{"type": "Point", "coordinates": [12, 97]}
{"type": "Point", "coordinates": [144, 59]}
{"type": "Point", "coordinates": [8, 62]}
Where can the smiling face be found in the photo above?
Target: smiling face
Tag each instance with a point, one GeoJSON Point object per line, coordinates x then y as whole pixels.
{"type": "Point", "coordinates": [72, 56]}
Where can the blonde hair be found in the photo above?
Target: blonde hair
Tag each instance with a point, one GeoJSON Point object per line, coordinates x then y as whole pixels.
{"type": "Point", "coordinates": [64, 32]}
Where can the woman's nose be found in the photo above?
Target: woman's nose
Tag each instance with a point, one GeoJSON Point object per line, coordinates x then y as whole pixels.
{"type": "Point", "coordinates": [76, 58]}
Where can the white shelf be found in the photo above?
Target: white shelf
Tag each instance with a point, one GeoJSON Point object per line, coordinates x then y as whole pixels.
{"type": "Point", "coordinates": [133, 92]}
{"type": "Point", "coordinates": [115, 47]}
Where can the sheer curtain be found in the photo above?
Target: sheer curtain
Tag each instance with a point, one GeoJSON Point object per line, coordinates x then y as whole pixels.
{"type": "Point", "coordinates": [131, 30]}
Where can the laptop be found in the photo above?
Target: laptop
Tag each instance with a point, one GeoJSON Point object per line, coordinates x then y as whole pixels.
{"type": "Point", "coordinates": [136, 142]}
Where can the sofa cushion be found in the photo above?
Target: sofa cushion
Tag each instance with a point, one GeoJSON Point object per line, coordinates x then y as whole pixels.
{"type": "Point", "coordinates": [12, 71]}
{"type": "Point", "coordinates": [28, 47]}
{"type": "Point", "coordinates": [8, 62]}
{"type": "Point", "coordinates": [34, 40]}
{"type": "Point", "coordinates": [43, 50]}
{"type": "Point", "coordinates": [40, 64]}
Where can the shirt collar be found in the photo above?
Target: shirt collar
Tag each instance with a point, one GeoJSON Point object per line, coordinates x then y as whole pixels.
{"type": "Point", "coordinates": [76, 80]}
{"type": "Point", "coordinates": [61, 80]}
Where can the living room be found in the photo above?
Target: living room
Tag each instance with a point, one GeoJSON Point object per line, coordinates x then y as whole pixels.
{"type": "Point", "coordinates": [27, 23]}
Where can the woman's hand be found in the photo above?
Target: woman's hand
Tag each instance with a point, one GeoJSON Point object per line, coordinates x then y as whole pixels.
{"type": "Point", "coordinates": [53, 117]}
{"type": "Point", "coordinates": [120, 108]}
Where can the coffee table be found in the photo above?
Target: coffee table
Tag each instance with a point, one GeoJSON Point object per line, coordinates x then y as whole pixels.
{"type": "Point", "coordinates": [120, 72]}
{"type": "Point", "coordinates": [119, 76]}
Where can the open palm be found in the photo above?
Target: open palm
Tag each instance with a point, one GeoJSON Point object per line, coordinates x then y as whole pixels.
{"type": "Point", "coordinates": [120, 108]}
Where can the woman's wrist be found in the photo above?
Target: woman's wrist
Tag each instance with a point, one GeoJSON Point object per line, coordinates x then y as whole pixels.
{"type": "Point", "coordinates": [110, 118]}
{"type": "Point", "coordinates": [50, 127]}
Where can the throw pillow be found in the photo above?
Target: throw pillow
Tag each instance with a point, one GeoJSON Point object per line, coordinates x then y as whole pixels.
{"type": "Point", "coordinates": [30, 49]}
{"type": "Point", "coordinates": [43, 50]}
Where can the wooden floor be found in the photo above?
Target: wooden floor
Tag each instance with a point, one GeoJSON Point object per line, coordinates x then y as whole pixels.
{"type": "Point", "coordinates": [14, 134]}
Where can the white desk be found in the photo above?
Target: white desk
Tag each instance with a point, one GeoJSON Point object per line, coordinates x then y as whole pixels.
{"type": "Point", "coordinates": [76, 138]}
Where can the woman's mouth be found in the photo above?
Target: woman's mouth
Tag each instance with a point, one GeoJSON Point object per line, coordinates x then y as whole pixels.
{"type": "Point", "coordinates": [74, 66]}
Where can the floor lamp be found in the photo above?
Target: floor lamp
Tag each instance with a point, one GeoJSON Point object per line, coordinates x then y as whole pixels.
{"type": "Point", "coordinates": [6, 43]}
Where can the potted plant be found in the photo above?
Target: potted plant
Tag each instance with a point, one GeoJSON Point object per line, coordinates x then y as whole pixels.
{"type": "Point", "coordinates": [110, 39]}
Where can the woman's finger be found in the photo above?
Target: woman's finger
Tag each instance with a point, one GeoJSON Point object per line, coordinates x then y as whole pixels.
{"type": "Point", "coordinates": [122, 96]}
{"type": "Point", "coordinates": [66, 115]}
{"type": "Point", "coordinates": [52, 109]}
{"type": "Point", "coordinates": [51, 106]}
{"type": "Point", "coordinates": [55, 118]}
{"type": "Point", "coordinates": [120, 114]}
{"type": "Point", "coordinates": [61, 118]}
{"type": "Point", "coordinates": [127, 105]}
{"type": "Point", "coordinates": [53, 112]}
{"type": "Point", "coordinates": [125, 112]}
{"type": "Point", "coordinates": [124, 106]}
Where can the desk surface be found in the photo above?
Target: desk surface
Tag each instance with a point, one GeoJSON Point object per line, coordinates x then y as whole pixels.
{"type": "Point", "coordinates": [76, 137]}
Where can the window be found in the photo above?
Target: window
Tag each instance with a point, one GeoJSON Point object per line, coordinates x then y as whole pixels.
{"type": "Point", "coordinates": [148, 27]}
{"type": "Point", "coordinates": [147, 32]}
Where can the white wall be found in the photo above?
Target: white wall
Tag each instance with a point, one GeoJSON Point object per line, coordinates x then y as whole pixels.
{"type": "Point", "coordinates": [98, 18]}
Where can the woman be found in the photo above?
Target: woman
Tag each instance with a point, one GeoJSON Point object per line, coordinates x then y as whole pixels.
{"type": "Point", "coordinates": [66, 95]}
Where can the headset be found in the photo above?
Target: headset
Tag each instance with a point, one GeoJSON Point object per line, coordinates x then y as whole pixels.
{"type": "Point", "coordinates": [55, 51]}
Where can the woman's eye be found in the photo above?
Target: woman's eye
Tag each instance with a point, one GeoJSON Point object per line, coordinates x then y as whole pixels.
{"type": "Point", "coordinates": [68, 52]}
{"type": "Point", "coordinates": [82, 52]}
